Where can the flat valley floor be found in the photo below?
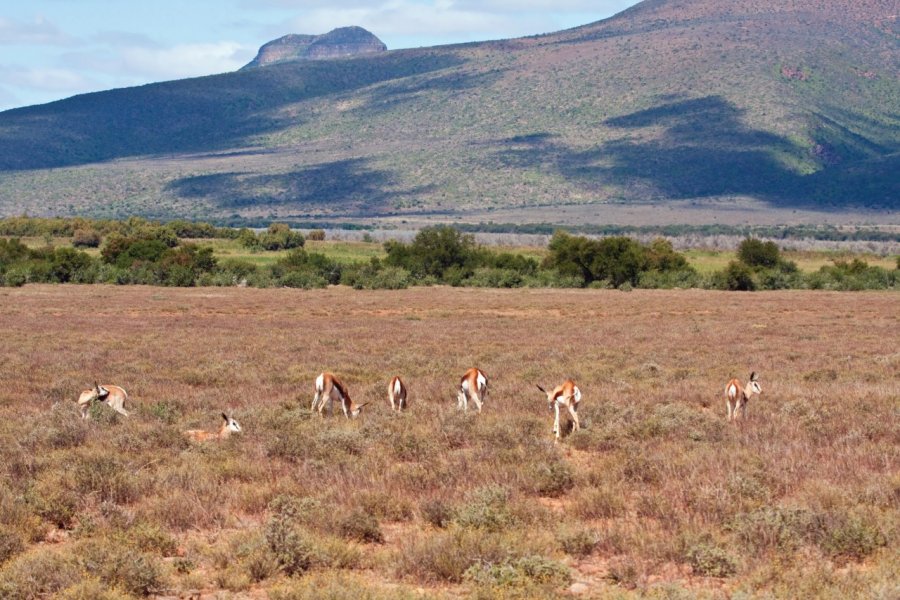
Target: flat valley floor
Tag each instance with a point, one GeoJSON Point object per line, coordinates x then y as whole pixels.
{"type": "Point", "coordinates": [657, 495]}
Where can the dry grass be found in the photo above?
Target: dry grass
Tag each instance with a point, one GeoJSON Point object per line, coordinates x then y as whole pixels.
{"type": "Point", "coordinates": [656, 496]}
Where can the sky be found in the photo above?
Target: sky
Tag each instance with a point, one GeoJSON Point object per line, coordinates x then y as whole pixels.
{"type": "Point", "coordinates": [53, 49]}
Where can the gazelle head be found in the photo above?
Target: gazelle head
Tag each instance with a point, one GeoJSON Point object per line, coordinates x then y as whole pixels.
{"type": "Point", "coordinates": [231, 424]}
{"type": "Point", "coordinates": [549, 397]}
{"type": "Point", "coordinates": [754, 383]}
{"type": "Point", "coordinates": [354, 412]}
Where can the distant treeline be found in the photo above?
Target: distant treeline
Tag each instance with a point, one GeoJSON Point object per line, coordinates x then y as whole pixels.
{"type": "Point", "coordinates": [144, 252]}
{"type": "Point", "coordinates": [811, 232]}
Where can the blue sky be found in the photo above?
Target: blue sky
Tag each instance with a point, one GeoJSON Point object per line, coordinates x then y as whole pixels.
{"type": "Point", "coordinates": [52, 49]}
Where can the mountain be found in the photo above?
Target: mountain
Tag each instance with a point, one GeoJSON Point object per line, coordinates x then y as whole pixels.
{"type": "Point", "coordinates": [682, 105]}
{"type": "Point", "coordinates": [337, 43]}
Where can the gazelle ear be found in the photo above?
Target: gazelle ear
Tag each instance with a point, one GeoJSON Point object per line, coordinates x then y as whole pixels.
{"type": "Point", "coordinates": [361, 405]}
{"type": "Point", "coordinates": [540, 388]}
{"type": "Point", "coordinates": [224, 416]}
{"type": "Point", "coordinates": [96, 385]}
{"type": "Point", "coordinates": [753, 376]}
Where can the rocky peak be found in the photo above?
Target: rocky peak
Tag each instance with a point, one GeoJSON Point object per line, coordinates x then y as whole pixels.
{"type": "Point", "coordinates": [337, 43]}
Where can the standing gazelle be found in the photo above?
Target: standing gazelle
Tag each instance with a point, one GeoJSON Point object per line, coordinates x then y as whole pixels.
{"type": "Point", "coordinates": [568, 395]}
{"type": "Point", "coordinates": [473, 385]}
{"type": "Point", "coordinates": [330, 389]}
{"type": "Point", "coordinates": [229, 426]}
{"type": "Point", "coordinates": [737, 396]}
{"type": "Point", "coordinates": [397, 393]}
{"type": "Point", "coordinates": [112, 395]}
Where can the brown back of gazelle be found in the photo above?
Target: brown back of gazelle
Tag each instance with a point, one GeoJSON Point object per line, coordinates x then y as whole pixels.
{"type": "Point", "coordinates": [229, 426]}
{"type": "Point", "coordinates": [472, 386]}
{"type": "Point", "coordinates": [397, 393]}
{"type": "Point", "coordinates": [114, 397]}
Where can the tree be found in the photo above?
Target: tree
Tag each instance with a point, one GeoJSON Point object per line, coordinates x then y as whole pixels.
{"type": "Point", "coordinates": [756, 253]}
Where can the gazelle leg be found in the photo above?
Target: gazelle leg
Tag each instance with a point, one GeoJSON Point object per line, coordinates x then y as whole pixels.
{"type": "Point", "coordinates": [461, 400]}
{"type": "Point", "coordinates": [574, 414]}
{"type": "Point", "coordinates": [477, 397]}
{"type": "Point", "coordinates": [344, 406]}
{"type": "Point", "coordinates": [315, 401]}
{"type": "Point", "coordinates": [556, 420]}
{"type": "Point", "coordinates": [730, 413]}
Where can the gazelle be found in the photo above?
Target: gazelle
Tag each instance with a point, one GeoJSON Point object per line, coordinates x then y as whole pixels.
{"type": "Point", "coordinates": [737, 396]}
{"type": "Point", "coordinates": [328, 389]}
{"type": "Point", "coordinates": [473, 385]}
{"type": "Point", "coordinates": [397, 393]}
{"type": "Point", "coordinates": [566, 394]}
{"type": "Point", "coordinates": [112, 395]}
{"type": "Point", "coordinates": [229, 426]}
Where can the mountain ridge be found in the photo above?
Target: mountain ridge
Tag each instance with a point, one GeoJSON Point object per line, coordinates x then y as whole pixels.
{"type": "Point", "coordinates": [793, 107]}
{"type": "Point", "coordinates": [337, 43]}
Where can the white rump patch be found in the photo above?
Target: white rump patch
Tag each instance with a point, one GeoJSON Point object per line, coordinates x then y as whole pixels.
{"type": "Point", "coordinates": [397, 388]}
{"type": "Point", "coordinates": [482, 381]}
{"type": "Point", "coordinates": [577, 394]}
{"type": "Point", "coordinates": [320, 382]}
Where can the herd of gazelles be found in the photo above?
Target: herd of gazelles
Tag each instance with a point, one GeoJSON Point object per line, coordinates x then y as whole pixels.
{"type": "Point", "coordinates": [472, 386]}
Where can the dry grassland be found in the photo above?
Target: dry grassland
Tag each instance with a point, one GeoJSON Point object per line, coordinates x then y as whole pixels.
{"type": "Point", "coordinates": [657, 495]}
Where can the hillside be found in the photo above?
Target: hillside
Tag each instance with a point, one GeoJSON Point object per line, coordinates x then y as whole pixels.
{"type": "Point", "coordinates": [764, 104]}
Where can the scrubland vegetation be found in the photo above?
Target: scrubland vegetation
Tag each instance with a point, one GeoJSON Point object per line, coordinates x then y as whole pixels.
{"type": "Point", "coordinates": [657, 496]}
{"type": "Point", "coordinates": [184, 254]}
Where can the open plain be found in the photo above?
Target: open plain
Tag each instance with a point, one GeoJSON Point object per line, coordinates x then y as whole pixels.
{"type": "Point", "coordinates": [656, 496]}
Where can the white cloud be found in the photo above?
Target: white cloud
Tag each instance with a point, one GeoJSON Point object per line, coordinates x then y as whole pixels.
{"type": "Point", "coordinates": [40, 32]}
{"type": "Point", "coordinates": [183, 60]}
{"type": "Point", "coordinates": [45, 79]}
{"type": "Point", "coordinates": [411, 18]}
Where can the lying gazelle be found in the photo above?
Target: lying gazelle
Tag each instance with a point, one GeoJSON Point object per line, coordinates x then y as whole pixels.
{"type": "Point", "coordinates": [229, 426]}
{"type": "Point", "coordinates": [397, 393]}
{"type": "Point", "coordinates": [112, 395]}
{"type": "Point", "coordinates": [736, 396]}
{"type": "Point", "coordinates": [568, 395]}
{"type": "Point", "coordinates": [330, 389]}
{"type": "Point", "coordinates": [473, 385]}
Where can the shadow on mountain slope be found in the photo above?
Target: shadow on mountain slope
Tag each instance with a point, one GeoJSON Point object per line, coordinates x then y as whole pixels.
{"type": "Point", "coordinates": [193, 115]}
{"type": "Point", "coordinates": [698, 148]}
{"type": "Point", "coordinates": [345, 184]}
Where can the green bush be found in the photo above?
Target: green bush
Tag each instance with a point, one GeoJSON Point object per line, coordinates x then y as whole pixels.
{"type": "Point", "coordinates": [11, 543]}
{"type": "Point", "coordinates": [485, 508]}
{"type": "Point", "coordinates": [711, 561]}
{"type": "Point", "coordinates": [361, 527]}
{"type": "Point", "coordinates": [290, 544]}
{"type": "Point", "coordinates": [523, 572]}
{"type": "Point", "coordinates": [756, 253]}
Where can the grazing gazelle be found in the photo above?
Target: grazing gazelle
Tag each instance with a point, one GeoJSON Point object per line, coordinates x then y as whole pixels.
{"type": "Point", "coordinates": [112, 395]}
{"type": "Point", "coordinates": [566, 394]}
{"type": "Point", "coordinates": [737, 396]}
{"type": "Point", "coordinates": [328, 389]}
{"type": "Point", "coordinates": [229, 426]}
{"type": "Point", "coordinates": [397, 393]}
{"type": "Point", "coordinates": [473, 385]}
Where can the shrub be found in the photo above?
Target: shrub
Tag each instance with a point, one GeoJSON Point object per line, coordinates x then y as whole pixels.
{"type": "Point", "coordinates": [515, 572]}
{"type": "Point", "coordinates": [86, 238]}
{"type": "Point", "coordinates": [362, 527]}
{"type": "Point", "coordinates": [736, 277]}
{"type": "Point", "coordinates": [38, 574]}
{"type": "Point", "coordinates": [291, 546]}
{"type": "Point", "coordinates": [316, 235]}
{"type": "Point", "coordinates": [133, 571]}
{"type": "Point", "coordinates": [756, 253]}
{"type": "Point", "coordinates": [486, 508]}
{"type": "Point", "coordinates": [711, 561]}
{"type": "Point", "coordinates": [552, 478]}
{"type": "Point", "coordinates": [437, 512]}
{"type": "Point", "coordinates": [445, 556]}
{"type": "Point", "coordinates": [11, 543]}
{"type": "Point", "coordinates": [578, 541]}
